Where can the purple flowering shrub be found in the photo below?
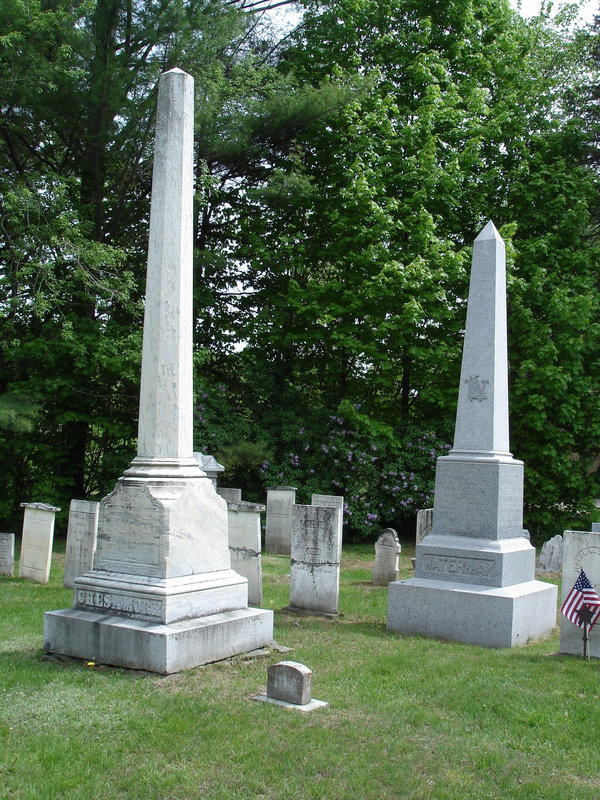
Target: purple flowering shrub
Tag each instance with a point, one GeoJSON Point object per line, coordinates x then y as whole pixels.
{"type": "Point", "coordinates": [384, 476]}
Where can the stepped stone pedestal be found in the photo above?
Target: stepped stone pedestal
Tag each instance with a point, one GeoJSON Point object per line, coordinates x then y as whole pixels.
{"type": "Point", "coordinates": [475, 572]}
{"type": "Point", "coordinates": [162, 595]}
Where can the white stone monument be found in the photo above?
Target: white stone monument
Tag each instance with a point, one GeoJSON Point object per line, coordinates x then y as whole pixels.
{"type": "Point", "coordinates": [244, 545]}
{"type": "Point", "coordinates": [81, 540]}
{"type": "Point", "coordinates": [316, 552]}
{"type": "Point", "coordinates": [387, 556]}
{"type": "Point", "coordinates": [7, 554]}
{"type": "Point", "coordinates": [475, 572]}
{"type": "Point", "coordinates": [278, 531]}
{"type": "Point", "coordinates": [162, 595]}
{"type": "Point", "coordinates": [581, 551]}
{"type": "Point", "coordinates": [36, 544]}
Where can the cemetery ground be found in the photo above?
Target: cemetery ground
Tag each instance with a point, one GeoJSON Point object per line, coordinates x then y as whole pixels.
{"type": "Point", "coordinates": [408, 717]}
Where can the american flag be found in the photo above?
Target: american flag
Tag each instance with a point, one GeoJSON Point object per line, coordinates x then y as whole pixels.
{"type": "Point", "coordinates": [582, 597]}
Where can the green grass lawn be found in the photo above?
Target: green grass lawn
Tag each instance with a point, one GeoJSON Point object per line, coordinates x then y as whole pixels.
{"type": "Point", "coordinates": [407, 718]}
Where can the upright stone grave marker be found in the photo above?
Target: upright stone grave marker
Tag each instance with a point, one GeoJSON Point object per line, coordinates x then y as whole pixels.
{"type": "Point", "coordinates": [244, 545]}
{"type": "Point", "coordinates": [7, 554]}
{"type": "Point", "coordinates": [36, 544]}
{"type": "Point", "coordinates": [387, 553]}
{"type": "Point", "coordinates": [278, 532]}
{"type": "Point", "coordinates": [581, 551]}
{"type": "Point", "coordinates": [330, 501]}
{"type": "Point", "coordinates": [475, 572]}
{"type": "Point", "coordinates": [162, 595]}
{"type": "Point", "coordinates": [230, 494]}
{"type": "Point", "coordinates": [316, 552]}
{"type": "Point", "coordinates": [424, 523]}
{"type": "Point", "coordinates": [551, 556]}
{"type": "Point", "coordinates": [81, 540]}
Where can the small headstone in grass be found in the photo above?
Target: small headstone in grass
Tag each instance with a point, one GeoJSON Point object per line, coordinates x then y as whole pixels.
{"type": "Point", "coordinates": [424, 523]}
{"type": "Point", "coordinates": [289, 684]}
{"type": "Point", "coordinates": [551, 555]}
{"type": "Point", "coordinates": [316, 552]}
{"type": "Point", "coordinates": [581, 551]}
{"type": "Point", "coordinates": [36, 545]}
{"type": "Point", "coordinates": [387, 551]}
{"type": "Point", "coordinates": [244, 545]}
{"type": "Point", "coordinates": [278, 531]}
{"type": "Point", "coordinates": [595, 527]}
{"type": "Point", "coordinates": [81, 540]}
{"type": "Point", "coordinates": [7, 554]}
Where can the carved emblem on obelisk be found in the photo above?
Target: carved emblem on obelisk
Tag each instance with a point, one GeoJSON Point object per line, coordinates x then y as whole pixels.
{"type": "Point", "coordinates": [476, 388]}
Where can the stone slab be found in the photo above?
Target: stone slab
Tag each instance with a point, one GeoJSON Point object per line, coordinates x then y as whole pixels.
{"type": "Point", "coordinates": [424, 524]}
{"type": "Point", "coordinates": [581, 550]}
{"type": "Point", "coordinates": [289, 681]}
{"type": "Point", "coordinates": [160, 600]}
{"type": "Point", "coordinates": [312, 706]}
{"type": "Point", "coordinates": [7, 554]}
{"type": "Point", "coordinates": [244, 545]}
{"type": "Point", "coordinates": [228, 493]}
{"type": "Point", "coordinates": [330, 501]}
{"type": "Point", "coordinates": [36, 544]}
{"type": "Point", "coordinates": [478, 497]}
{"type": "Point", "coordinates": [490, 617]}
{"type": "Point", "coordinates": [81, 540]}
{"type": "Point", "coordinates": [316, 550]}
{"type": "Point", "coordinates": [462, 559]}
{"type": "Point", "coordinates": [162, 529]}
{"type": "Point", "coordinates": [387, 553]}
{"type": "Point", "coordinates": [137, 644]}
{"type": "Point", "coordinates": [551, 555]}
{"type": "Point", "coordinates": [278, 530]}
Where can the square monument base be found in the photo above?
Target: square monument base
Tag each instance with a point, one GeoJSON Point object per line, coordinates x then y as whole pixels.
{"type": "Point", "coordinates": [139, 644]}
{"type": "Point", "coordinates": [479, 615]}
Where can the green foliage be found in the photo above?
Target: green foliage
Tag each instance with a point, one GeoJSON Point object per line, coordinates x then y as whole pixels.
{"type": "Point", "coordinates": [385, 477]}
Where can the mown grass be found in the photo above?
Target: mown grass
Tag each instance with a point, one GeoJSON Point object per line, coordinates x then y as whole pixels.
{"type": "Point", "coordinates": [408, 717]}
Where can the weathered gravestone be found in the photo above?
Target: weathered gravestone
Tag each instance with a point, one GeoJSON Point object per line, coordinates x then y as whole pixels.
{"type": "Point", "coordinates": [244, 545]}
{"type": "Point", "coordinates": [387, 552]}
{"type": "Point", "coordinates": [424, 523]}
{"type": "Point", "coordinates": [229, 494]}
{"type": "Point", "coordinates": [316, 552]}
{"type": "Point", "coordinates": [475, 572]}
{"type": "Point", "coordinates": [81, 540]}
{"type": "Point", "coordinates": [551, 555]}
{"type": "Point", "coordinates": [330, 501]}
{"type": "Point", "coordinates": [595, 528]}
{"type": "Point", "coordinates": [581, 551]}
{"type": "Point", "coordinates": [7, 554]}
{"type": "Point", "coordinates": [278, 531]}
{"type": "Point", "coordinates": [162, 595]}
{"type": "Point", "coordinates": [289, 684]}
{"type": "Point", "coordinates": [36, 544]}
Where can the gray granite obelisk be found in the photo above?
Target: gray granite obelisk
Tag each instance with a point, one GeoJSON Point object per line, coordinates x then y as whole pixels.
{"type": "Point", "coordinates": [162, 595]}
{"type": "Point", "coordinates": [475, 572]}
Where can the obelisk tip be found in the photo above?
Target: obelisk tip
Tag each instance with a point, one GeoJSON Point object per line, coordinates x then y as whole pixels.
{"type": "Point", "coordinates": [174, 71]}
{"type": "Point", "coordinates": [489, 232]}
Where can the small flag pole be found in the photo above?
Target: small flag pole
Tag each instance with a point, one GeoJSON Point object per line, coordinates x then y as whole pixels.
{"type": "Point", "coordinates": [586, 654]}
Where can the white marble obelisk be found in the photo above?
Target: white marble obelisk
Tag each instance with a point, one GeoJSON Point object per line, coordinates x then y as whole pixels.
{"type": "Point", "coordinates": [162, 595]}
{"type": "Point", "coordinates": [475, 572]}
